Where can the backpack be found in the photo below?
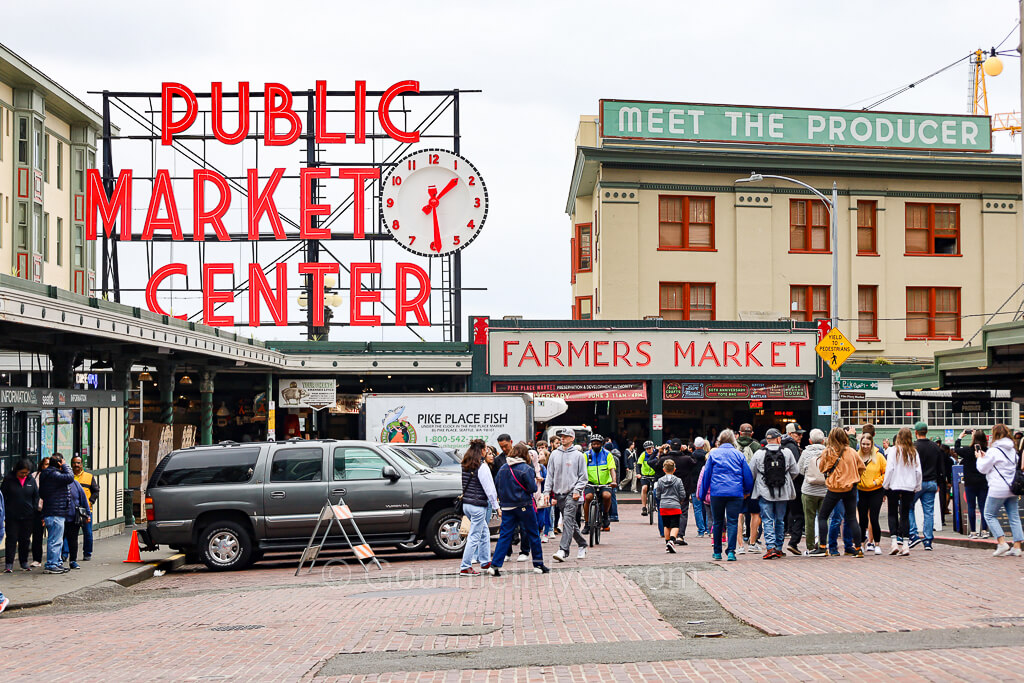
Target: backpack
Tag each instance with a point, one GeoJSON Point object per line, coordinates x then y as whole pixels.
{"type": "Point", "coordinates": [813, 475]}
{"type": "Point", "coordinates": [1016, 485]}
{"type": "Point", "coordinates": [775, 472]}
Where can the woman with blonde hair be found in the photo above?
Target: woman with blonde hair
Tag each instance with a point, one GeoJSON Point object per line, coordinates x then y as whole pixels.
{"type": "Point", "coordinates": [999, 465]}
{"type": "Point", "coordinates": [902, 481]}
{"type": "Point", "coordinates": [842, 468]}
{"type": "Point", "coordinates": [870, 493]}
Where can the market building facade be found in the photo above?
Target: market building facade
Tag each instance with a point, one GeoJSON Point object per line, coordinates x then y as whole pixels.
{"type": "Point", "coordinates": [928, 228]}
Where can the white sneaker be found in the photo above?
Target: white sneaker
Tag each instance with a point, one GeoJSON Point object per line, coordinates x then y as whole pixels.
{"type": "Point", "coordinates": [1001, 550]}
{"type": "Point", "coordinates": [906, 550]}
{"type": "Point", "coordinates": [582, 554]}
{"type": "Point", "coordinates": [878, 551]}
{"type": "Point", "coordinates": [1015, 552]}
{"type": "Point", "coordinates": [544, 538]}
{"type": "Point", "coordinates": [522, 558]}
{"type": "Point", "coordinates": [559, 556]}
{"type": "Point", "coordinates": [895, 549]}
{"type": "Point", "coordinates": [754, 548]}
{"type": "Point", "coordinates": [741, 550]}
{"type": "Point", "coordinates": [974, 534]}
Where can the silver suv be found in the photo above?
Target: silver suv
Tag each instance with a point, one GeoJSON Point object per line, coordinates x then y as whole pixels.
{"type": "Point", "coordinates": [230, 503]}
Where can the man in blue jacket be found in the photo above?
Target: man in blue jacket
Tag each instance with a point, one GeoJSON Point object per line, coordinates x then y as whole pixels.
{"type": "Point", "coordinates": [516, 483]}
{"type": "Point", "coordinates": [3, 600]}
{"type": "Point", "coordinates": [54, 483]}
{"type": "Point", "coordinates": [728, 478]}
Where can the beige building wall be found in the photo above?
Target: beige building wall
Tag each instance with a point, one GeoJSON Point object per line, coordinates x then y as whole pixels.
{"type": "Point", "coordinates": [753, 268]}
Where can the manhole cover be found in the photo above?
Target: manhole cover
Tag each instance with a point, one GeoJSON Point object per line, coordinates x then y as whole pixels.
{"type": "Point", "coordinates": [403, 592]}
{"type": "Point", "coordinates": [238, 627]}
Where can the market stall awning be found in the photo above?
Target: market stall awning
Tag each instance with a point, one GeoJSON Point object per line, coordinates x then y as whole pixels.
{"type": "Point", "coordinates": [994, 362]}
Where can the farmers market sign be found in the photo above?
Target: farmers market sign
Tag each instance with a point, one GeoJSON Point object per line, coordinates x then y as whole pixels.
{"type": "Point", "coordinates": [785, 126]}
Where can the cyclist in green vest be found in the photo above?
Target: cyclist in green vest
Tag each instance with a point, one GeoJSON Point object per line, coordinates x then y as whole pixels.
{"type": "Point", "coordinates": [600, 472]}
{"type": "Point", "coordinates": [646, 473]}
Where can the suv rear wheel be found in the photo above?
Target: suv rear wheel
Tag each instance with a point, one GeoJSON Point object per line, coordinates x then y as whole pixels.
{"type": "Point", "coordinates": [443, 534]}
{"type": "Point", "coordinates": [226, 545]}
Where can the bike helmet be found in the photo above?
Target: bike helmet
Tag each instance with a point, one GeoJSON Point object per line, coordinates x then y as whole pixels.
{"type": "Point", "coordinates": [597, 438]}
{"type": "Point", "coordinates": [648, 444]}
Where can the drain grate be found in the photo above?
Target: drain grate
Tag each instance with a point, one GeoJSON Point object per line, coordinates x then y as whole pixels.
{"type": "Point", "coordinates": [238, 627]}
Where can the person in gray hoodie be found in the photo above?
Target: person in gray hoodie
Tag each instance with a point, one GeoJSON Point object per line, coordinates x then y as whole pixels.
{"type": "Point", "coordinates": [774, 469]}
{"type": "Point", "coordinates": [566, 481]}
{"type": "Point", "coordinates": [812, 490]}
{"type": "Point", "coordinates": [671, 502]}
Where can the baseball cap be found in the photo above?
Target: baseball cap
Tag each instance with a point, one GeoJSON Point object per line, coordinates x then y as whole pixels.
{"type": "Point", "coordinates": [699, 442]}
{"type": "Point", "coordinates": [675, 444]}
{"type": "Point", "coordinates": [773, 433]}
{"type": "Point", "coordinates": [921, 427]}
{"type": "Point", "coordinates": [794, 427]}
{"type": "Point", "coordinates": [566, 431]}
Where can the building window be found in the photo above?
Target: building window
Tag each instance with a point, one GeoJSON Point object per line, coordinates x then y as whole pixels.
{"type": "Point", "coordinates": [584, 309]}
{"type": "Point", "coordinates": [686, 223]}
{"type": "Point", "coordinates": [22, 140]}
{"type": "Point", "coordinates": [941, 413]}
{"type": "Point", "coordinates": [933, 312]}
{"type": "Point", "coordinates": [809, 302]}
{"type": "Point", "coordinates": [38, 144]}
{"type": "Point", "coordinates": [867, 312]}
{"type": "Point", "coordinates": [808, 226]}
{"type": "Point", "coordinates": [79, 171]}
{"type": "Point", "coordinates": [867, 227]}
{"type": "Point", "coordinates": [79, 246]}
{"type": "Point", "coordinates": [687, 301]}
{"type": "Point", "coordinates": [933, 229]}
{"type": "Point", "coordinates": [46, 158]}
{"type": "Point", "coordinates": [46, 237]}
{"type": "Point", "coordinates": [21, 233]}
{"type": "Point", "coordinates": [60, 241]}
{"type": "Point", "coordinates": [882, 413]}
{"type": "Point", "coordinates": [572, 260]}
{"type": "Point", "coordinates": [583, 262]}
{"type": "Point", "coordinates": [60, 165]}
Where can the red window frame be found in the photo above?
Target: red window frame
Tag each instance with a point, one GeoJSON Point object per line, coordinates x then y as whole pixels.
{"type": "Point", "coordinates": [572, 260]}
{"type": "Point", "coordinates": [931, 313]}
{"type": "Point", "coordinates": [577, 309]}
{"type": "Point", "coordinates": [867, 224]}
{"type": "Point", "coordinates": [809, 227]}
{"type": "Point", "coordinates": [808, 313]}
{"type": "Point", "coordinates": [687, 309]}
{"type": "Point", "coordinates": [579, 248]}
{"type": "Point", "coordinates": [929, 228]}
{"type": "Point", "coordinates": [684, 223]}
{"type": "Point", "coordinates": [867, 294]}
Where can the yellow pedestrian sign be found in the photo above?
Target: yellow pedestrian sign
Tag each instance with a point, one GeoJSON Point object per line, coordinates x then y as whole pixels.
{"type": "Point", "coordinates": [834, 348]}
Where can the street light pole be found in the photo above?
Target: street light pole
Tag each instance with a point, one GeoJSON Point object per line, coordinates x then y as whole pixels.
{"type": "Point", "coordinates": [834, 224]}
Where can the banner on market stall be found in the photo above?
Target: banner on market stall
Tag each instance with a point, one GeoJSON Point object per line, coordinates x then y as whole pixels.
{"type": "Point", "coordinates": [315, 394]}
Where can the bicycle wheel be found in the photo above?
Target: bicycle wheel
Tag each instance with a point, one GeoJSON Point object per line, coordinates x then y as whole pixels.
{"type": "Point", "coordinates": [595, 529]}
{"type": "Point", "coordinates": [650, 511]}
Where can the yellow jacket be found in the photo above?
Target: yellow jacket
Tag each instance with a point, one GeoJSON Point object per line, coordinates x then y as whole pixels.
{"type": "Point", "coordinates": [873, 475]}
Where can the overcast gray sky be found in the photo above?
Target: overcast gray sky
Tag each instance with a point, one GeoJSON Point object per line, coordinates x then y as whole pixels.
{"type": "Point", "coordinates": [540, 66]}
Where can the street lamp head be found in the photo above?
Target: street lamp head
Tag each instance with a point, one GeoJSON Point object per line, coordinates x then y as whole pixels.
{"type": "Point", "coordinates": [754, 178]}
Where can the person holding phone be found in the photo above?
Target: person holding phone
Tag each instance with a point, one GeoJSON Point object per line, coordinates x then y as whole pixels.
{"type": "Point", "coordinates": [975, 484]}
{"type": "Point", "coordinates": [53, 490]}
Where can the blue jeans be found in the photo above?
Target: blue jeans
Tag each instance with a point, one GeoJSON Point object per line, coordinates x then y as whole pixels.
{"type": "Point", "coordinates": [773, 518]}
{"type": "Point", "coordinates": [54, 540]}
{"type": "Point", "coordinates": [992, 507]}
{"type": "Point", "coordinates": [725, 512]}
{"type": "Point", "coordinates": [478, 543]}
{"type": "Point", "coordinates": [976, 501]}
{"type": "Point", "coordinates": [835, 520]}
{"type": "Point", "coordinates": [698, 516]}
{"type": "Point", "coordinates": [927, 497]}
{"type": "Point", "coordinates": [526, 520]}
{"type": "Point", "coordinates": [613, 513]}
{"type": "Point", "coordinates": [544, 520]}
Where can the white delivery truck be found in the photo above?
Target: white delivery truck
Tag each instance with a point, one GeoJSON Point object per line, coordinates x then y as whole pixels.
{"type": "Point", "coordinates": [448, 420]}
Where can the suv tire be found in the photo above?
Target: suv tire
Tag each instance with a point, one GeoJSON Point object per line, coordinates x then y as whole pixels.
{"type": "Point", "coordinates": [414, 547]}
{"type": "Point", "coordinates": [225, 545]}
{"type": "Point", "coordinates": [442, 534]}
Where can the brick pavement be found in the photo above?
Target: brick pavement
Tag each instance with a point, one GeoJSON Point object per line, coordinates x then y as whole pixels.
{"type": "Point", "coordinates": [997, 664]}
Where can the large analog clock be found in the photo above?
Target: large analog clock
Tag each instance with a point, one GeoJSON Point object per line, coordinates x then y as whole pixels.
{"type": "Point", "coordinates": [433, 202]}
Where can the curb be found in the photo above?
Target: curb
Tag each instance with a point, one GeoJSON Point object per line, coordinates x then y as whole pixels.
{"type": "Point", "coordinates": [979, 544]}
{"type": "Point", "coordinates": [126, 579]}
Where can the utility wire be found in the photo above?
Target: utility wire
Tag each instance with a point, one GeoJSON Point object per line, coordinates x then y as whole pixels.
{"type": "Point", "coordinates": [916, 83]}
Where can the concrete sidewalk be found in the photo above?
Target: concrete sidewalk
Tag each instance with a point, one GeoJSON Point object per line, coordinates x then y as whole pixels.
{"type": "Point", "coordinates": [34, 588]}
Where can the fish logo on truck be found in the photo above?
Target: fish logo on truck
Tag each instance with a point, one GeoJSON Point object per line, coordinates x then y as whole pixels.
{"type": "Point", "coordinates": [397, 429]}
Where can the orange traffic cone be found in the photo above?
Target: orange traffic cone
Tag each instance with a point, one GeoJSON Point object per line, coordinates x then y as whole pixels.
{"type": "Point", "coordinates": [133, 550]}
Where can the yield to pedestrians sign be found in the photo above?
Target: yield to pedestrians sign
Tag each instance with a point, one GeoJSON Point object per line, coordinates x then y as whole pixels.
{"type": "Point", "coordinates": [834, 348]}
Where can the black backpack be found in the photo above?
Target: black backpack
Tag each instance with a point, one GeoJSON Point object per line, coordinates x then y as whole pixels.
{"type": "Point", "coordinates": [775, 471]}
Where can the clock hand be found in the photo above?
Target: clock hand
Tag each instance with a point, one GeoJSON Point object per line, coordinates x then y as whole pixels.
{"type": "Point", "coordinates": [436, 244]}
{"type": "Point", "coordinates": [435, 196]}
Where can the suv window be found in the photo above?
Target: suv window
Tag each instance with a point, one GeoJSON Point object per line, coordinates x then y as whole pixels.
{"type": "Point", "coordinates": [297, 464]}
{"type": "Point", "coordinates": [357, 463]}
{"type": "Point", "coordinates": [209, 466]}
{"type": "Point", "coordinates": [429, 457]}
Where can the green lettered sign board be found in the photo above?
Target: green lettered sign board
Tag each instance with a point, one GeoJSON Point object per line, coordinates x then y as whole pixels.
{"type": "Point", "coordinates": [833, 128]}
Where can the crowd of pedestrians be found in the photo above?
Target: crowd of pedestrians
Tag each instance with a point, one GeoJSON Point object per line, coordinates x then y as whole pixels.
{"type": "Point", "coordinates": [51, 504]}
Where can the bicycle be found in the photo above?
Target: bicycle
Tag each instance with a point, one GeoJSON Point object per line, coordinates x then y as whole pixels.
{"type": "Point", "coordinates": [596, 511]}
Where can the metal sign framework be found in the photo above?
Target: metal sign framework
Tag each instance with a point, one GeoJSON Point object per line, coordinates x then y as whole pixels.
{"type": "Point", "coordinates": [434, 113]}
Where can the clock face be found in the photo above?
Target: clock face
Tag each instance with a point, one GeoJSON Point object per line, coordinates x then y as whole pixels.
{"type": "Point", "coordinates": [433, 202]}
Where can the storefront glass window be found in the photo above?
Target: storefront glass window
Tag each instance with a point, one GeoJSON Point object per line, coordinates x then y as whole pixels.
{"type": "Point", "coordinates": [881, 413]}
{"type": "Point", "coordinates": [941, 413]}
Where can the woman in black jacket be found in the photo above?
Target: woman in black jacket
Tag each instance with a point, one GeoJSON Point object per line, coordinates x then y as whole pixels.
{"type": "Point", "coordinates": [975, 483]}
{"type": "Point", "coordinates": [21, 496]}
